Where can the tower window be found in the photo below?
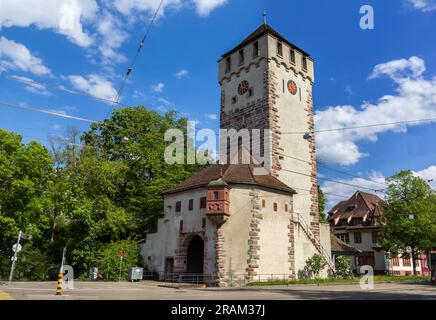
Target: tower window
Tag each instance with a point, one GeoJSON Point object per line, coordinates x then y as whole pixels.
{"type": "Point", "coordinates": [181, 226]}
{"type": "Point", "coordinates": [255, 49]}
{"type": "Point", "coordinates": [280, 49]}
{"type": "Point", "coordinates": [304, 63]}
{"type": "Point", "coordinates": [191, 204]}
{"type": "Point", "coordinates": [286, 207]}
{"type": "Point", "coordinates": [250, 92]}
{"type": "Point", "coordinates": [203, 223]}
{"type": "Point", "coordinates": [202, 202]}
{"type": "Point", "coordinates": [275, 206]}
{"type": "Point", "coordinates": [233, 99]}
{"type": "Point", "coordinates": [178, 206]}
{"type": "Point", "coordinates": [292, 56]}
{"type": "Point", "coordinates": [263, 203]}
{"type": "Point", "coordinates": [241, 56]}
{"type": "Point", "coordinates": [228, 64]}
{"type": "Point", "coordinates": [216, 195]}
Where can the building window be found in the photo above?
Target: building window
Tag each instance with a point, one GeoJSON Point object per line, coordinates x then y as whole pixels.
{"type": "Point", "coordinates": [286, 207]}
{"type": "Point", "coordinates": [202, 202]}
{"type": "Point", "coordinates": [263, 203]}
{"type": "Point", "coordinates": [241, 56]}
{"type": "Point", "coordinates": [191, 204]}
{"type": "Point", "coordinates": [374, 235]}
{"type": "Point", "coordinates": [216, 195]}
{"type": "Point", "coordinates": [292, 56]}
{"type": "Point", "coordinates": [304, 63]}
{"type": "Point", "coordinates": [357, 237]}
{"type": "Point", "coordinates": [181, 226]}
{"type": "Point", "coordinates": [356, 221]}
{"type": "Point", "coordinates": [395, 261]}
{"type": "Point", "coordinates": [178, 206]}
{"type": "Point", "coordinates": [344, 237]}
{"type": "Point", "coordinates": [228, 64]}
{"type": "Point", "coordinates": [203, 223]}
{"type": "Point", "coordinates": [275, 206]}
{"type": "Point", "coordinates": [233, 99]}
{"type": "Point", "coordinates": [279, 49]}
{"type": "Point", "coordinates": [255, 49]}
{"type": "Point", "coordinates": [250, 92]}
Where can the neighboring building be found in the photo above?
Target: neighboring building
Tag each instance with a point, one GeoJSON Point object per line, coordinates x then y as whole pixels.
{"type": "Point", "coordinates": [340, 248]}
{"type": "Point", "coordinates": [356, 222]}
{"type": "Point", "coordinates": [226, 220]}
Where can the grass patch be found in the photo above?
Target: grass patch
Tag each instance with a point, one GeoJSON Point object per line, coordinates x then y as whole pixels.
{"type": "Point", "coordinates": [377, 279]}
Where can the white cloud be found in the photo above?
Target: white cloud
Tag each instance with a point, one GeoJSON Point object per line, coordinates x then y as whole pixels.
{"type": "Point", "coordinates": [16, 56]}
{"type": "Point", "coordinates": [94, 85]}
{"type": "Point", "coordinates": [56, 126]}
{"type": "Point", "coordinates": [158, 87]}
{"type": "Point", "coordinates": [414, 98]}
{"type": "Point", "coordinates": [113, 36]}
{"type": "Point", "coordinates": [212, 116]}
{"type": "Point", "coordinates": [428, 174]}
{"type": "Point", "coordinates": [65, 17]}
{"type": "Point", "coordinates": [182, 73]}
{"type": "Point", "coordinates": [424, 5]}
{"type": "Point", "coordinates": [204, 7]}
{"type": "Point", "coordinates": [33, 86]}
{"type": "Point", "coordinates": [336, 192]}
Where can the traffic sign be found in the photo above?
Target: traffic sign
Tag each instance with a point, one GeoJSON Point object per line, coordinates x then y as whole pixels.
{"type": "Point", "coordinates": [14, 258]}
{"type": "Point", "coordinates": [16, 247]}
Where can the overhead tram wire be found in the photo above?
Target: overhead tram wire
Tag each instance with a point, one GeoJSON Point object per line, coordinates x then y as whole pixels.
{"type": "Point", "coordinates": [362, 126]}
{"type": "Point", "coordinates": [333, 169]}
{"type": "Point", "coordinates": [130, 69]}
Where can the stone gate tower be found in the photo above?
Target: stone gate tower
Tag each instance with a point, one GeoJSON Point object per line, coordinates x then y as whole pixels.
{"type": "Point", "coordinates": [266, 83]}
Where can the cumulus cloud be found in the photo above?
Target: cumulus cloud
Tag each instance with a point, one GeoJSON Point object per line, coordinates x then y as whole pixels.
{"type": "Point", "coordinates": [113, 36]}
{"type": "Point", "coordinates": [158, 87]}
{"type": "Point", "coordinates": [424, 5]}
{"type": "Point", "coordinates": [182, 73]}
{"type": "Point", "coordinates": [94, 85]}
{"type": "Point", "coordinates": [204, 7]}
{"type": "Point", "coordinates": [15, 56]}
{"type": "Point", "coordinates": [414, 99]}
{"type": "Point", "coordinates": [65, 17]}
{"type": "Point", "coordinates": [429, 174]}
{"type": "Point", "coordinates": [32, 86]}
{"type": "Point", "coordinates": [212, 116]}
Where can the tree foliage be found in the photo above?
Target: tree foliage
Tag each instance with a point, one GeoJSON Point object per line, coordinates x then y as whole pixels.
{"type": "Point", "coordinates": [321, 205]}
{"type": "Point", "coordinates": [87, 197]}
{"type": "Point", "coordinates": [409, 215]}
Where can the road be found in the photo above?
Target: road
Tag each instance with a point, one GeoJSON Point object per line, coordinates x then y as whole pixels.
{"type": "Point", "coordinates": [151, 290]}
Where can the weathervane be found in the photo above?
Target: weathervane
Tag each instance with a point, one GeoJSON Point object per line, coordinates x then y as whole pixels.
{"type": "Point", "coordinates": [264, 17]}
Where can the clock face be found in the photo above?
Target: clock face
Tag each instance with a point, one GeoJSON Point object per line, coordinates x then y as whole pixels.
{"type": "Point", "coordinates": [292, 87]}
{"type": "Point", "coordinates": [243, 87]}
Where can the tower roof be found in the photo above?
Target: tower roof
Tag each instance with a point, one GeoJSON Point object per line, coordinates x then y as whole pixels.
{"type": "Point", "coordinates": [259, 32]}
{"type": "Point", "coordinates": [230, 174]}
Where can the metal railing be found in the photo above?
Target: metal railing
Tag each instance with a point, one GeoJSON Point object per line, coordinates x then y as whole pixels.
{"type": "Point", "coordinates": [302, 222]}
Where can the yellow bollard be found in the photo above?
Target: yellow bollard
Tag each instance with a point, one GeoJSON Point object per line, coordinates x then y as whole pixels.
{"type": "Point", "coordinates": [59, 288]}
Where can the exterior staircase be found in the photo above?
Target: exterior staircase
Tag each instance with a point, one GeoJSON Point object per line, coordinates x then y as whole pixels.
{"type": "Point", "coordinates": [316, 242]}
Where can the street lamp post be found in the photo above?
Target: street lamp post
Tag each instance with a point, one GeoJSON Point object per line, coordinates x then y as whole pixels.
{"type": "Point", "coordinates": [16, 248]}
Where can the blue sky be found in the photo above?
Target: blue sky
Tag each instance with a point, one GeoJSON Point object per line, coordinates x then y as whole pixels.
{"type": "Point", "coordinates": [87, 45]}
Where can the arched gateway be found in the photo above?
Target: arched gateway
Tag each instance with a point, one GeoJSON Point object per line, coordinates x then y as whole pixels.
{"type": "Point", "coordinates": [195, 255]}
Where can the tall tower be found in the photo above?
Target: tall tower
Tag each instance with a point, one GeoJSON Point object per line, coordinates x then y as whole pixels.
{"type": "Point", "coordinates": [266, 83]}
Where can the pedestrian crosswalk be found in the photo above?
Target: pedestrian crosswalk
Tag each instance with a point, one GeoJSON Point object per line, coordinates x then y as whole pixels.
{"type": "Point", "coordinates": [5, 296]}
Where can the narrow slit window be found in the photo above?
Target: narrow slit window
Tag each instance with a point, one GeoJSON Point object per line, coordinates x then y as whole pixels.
{"type": "Point", "coordinates": [228, 64]}
{"type": "Point", "coordinates": [241, 56]}
{"type": "Point", "coordinates": [292, 56]}
{"type": "Point", "coordinates": [304, 63]}
{"type": "Point", "coordinates": [255, 49]}
{"type": "Point", "coordinates": [280, 49]}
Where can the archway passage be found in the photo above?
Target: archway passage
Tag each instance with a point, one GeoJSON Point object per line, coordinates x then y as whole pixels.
{"type": "Point", "coordinates": [195, 259]}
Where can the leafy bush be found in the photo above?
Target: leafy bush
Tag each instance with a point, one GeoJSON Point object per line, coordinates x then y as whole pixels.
{"type": "Point", "coordinates": [344, 267]}
{"type": "Point", "coordinates": [31, 264]}
{"type": "Point", "coordinates": [314, 266]}
{"type": "Point", "coordinates": [109, 262]}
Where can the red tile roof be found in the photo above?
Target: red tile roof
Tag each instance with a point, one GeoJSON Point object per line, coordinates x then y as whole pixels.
{"type": "Point", "coordinates": [232, 174]}
{"type": "Point", "coordinates": [359, 205]}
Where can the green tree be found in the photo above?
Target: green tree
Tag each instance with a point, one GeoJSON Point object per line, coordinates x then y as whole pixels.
{"type": "Point", "coordinates": [314, 266]}
{"type": "Point", "coordinates": [109, 261]}
{"type": "Point", "coordinates": [321, 205]}
{"type": "Point", "coordinates": [135, 136]}
{"type": "Point", "coordinates": [344, 267]}
{"type": "Point", "coordinates": [409, 215]}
